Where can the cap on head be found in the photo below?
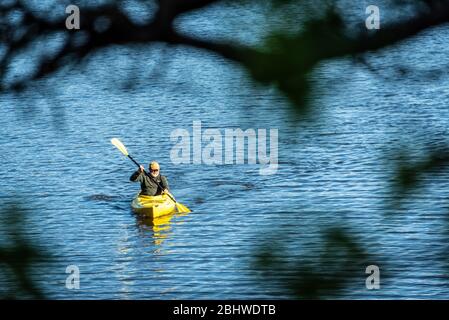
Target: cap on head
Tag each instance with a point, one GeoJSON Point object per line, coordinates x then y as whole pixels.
{"type": "Point", "coordinates": [154, 165]}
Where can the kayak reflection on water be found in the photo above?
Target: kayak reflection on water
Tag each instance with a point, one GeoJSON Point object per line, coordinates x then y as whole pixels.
{"type": "Point", "coordinates": [160, 227]}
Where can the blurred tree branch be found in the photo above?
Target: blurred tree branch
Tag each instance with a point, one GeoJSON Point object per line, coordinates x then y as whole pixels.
{"type": "Point", "coordinates": [284, 60]}
{"type": "Point", "coordinates": [121, 30]}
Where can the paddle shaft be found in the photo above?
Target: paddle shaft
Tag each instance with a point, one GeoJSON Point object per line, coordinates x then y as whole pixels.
{"type": "Point", "coordinates": [137, 164]}
{"type": "Point", "coordinates": [132, 159]}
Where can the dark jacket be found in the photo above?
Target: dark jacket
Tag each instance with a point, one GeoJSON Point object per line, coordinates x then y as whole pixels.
{"type": "Point", "coordinates": [148, 185]}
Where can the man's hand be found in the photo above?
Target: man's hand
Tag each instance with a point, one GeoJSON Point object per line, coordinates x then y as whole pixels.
{"type": "Point", "coordinates": [165, 191]}
{"type": "Point", "coordinates": [141, 169]}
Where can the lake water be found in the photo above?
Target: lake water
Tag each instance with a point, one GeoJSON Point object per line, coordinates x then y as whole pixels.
{"type": "Point", "coordinates": [57, 161]}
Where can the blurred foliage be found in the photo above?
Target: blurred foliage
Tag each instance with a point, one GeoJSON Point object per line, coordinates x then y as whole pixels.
{"type": "Point", "coordinates": [284, 62]}
{"type": "Point", "coordinates": [18, 257]}
{"type": "Point", "coordinates": [410, 171]}
{"type": "Point", "coordinates": [324, 273]}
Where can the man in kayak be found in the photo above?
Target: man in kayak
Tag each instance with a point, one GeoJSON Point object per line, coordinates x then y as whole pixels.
{"type": "Point", "coordinates": [154, 185]}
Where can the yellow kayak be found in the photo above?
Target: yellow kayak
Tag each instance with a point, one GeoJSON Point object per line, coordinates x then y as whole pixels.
{"type": "Point", "coordinates": [153, 206]}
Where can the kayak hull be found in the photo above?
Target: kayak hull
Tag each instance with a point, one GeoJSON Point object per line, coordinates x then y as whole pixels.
{"type": "Point", "coordinates": [153, 206]}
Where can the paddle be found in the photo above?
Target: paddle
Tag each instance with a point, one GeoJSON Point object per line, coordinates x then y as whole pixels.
{"type": "Point", "coordinates": [119, 145]}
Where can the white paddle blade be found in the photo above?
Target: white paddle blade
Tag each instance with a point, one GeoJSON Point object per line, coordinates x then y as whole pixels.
{"type": "Point", "coordinates": [119, 145]}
